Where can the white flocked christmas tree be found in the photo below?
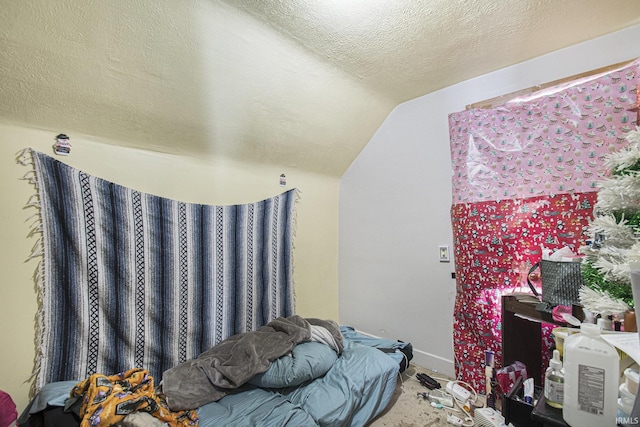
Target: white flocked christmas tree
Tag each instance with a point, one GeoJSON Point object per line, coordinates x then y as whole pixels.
{"type": "Point", "coordinates": [615, 234]}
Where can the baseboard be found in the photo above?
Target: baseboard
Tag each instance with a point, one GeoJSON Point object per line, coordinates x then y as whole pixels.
{"type": "Point", "coordinates": [427, 360]}
{"type": "Point", "coordinates": [434, 363]}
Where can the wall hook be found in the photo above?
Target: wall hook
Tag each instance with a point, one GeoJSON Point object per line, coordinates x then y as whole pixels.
{"type": "Point", "coordinates": [62, 146]}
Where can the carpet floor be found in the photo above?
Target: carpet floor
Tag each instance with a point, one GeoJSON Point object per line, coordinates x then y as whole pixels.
{"type": "Point", "coordinates": [408, 409]}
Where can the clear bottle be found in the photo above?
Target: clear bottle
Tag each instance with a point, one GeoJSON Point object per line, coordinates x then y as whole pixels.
{"type": "Point", "coordinates": [591, 378]}
{"type": "Point", "coordinates": [554, 382]}
{"type": "Point", "coordinates": [438, 397]}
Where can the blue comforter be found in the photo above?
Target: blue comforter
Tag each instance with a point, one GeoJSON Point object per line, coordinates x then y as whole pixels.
{"type": "Point", "coordinates": [355, 390]}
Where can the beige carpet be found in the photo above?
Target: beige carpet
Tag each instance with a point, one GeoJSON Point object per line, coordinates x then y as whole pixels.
{"type": "Point", "coordinates": [407, 409]}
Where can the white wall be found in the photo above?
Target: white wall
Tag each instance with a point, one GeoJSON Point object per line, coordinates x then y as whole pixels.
{"type": "Point", "coordinates": [395, 201]}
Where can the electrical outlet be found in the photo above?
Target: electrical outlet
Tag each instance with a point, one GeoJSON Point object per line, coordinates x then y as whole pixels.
{"type": "Point", "coordinates": [444, 253]}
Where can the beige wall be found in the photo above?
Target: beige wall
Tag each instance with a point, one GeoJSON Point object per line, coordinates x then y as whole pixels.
{"type": "Point", "coordinates": [186, 179]}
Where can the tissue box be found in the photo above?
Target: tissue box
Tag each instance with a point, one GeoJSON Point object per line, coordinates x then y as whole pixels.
{"type": "Point", "coordinates": [509, 375]}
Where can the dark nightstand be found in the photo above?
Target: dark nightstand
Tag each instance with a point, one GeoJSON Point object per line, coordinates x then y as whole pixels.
{"type": "Point", "coordinates": [522, 341]}
{"type": "Point", "coordinates": [521, 334]}
{"type": "Point", "coordinates": [547, 415]}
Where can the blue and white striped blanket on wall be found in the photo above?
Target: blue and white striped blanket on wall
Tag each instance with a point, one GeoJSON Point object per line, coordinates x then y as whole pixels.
{"type": "Point", "coordinates": [130, 279]}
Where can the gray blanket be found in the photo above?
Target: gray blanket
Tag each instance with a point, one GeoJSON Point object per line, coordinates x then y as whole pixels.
{"type": "Point", "coordinates": [229, 364]}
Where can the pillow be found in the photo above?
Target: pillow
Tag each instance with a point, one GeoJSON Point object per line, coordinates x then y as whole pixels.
{"type": "Point", "coordinates": [307, 361]}
{"type": "Point", "coordinates": [8, 411]}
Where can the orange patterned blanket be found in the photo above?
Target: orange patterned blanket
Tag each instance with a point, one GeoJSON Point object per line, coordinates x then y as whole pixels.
{"type": "Point", "coordinates": [107, 400]}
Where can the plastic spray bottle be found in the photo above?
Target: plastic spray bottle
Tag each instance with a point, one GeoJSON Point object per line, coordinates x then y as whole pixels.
{"type": "Point", "coordinates": [554, 382]}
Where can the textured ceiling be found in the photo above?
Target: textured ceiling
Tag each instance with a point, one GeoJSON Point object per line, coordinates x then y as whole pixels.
{"type": "Point", "coordinates": [301, 83]}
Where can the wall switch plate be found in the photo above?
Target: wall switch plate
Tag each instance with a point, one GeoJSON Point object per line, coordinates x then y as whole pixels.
{"type": "Point", "coordinates": [444, 253]}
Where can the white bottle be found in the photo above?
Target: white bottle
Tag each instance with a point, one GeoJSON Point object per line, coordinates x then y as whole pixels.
{"type": "Point", "coordinates": [591, 378]}
{"type": "Point", "coordinates": [554, 382]}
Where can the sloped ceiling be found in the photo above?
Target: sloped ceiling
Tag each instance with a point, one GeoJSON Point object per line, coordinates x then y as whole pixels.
{"type": "Point", "coordinates": [299, 83]}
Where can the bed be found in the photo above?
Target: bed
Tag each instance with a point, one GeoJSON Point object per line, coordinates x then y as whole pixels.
{"type": "Point", "coordinates": [312, 385]}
